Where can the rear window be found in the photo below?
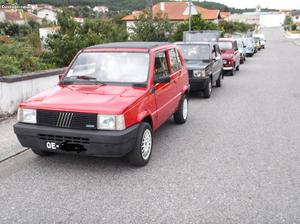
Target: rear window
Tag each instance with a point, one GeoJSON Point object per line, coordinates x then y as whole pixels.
{"type": "Point", "coordinates": [225, 45]}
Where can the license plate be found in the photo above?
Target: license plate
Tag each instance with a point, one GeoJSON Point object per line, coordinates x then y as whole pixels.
{"type": "Point", "coordinates": [52, 145]}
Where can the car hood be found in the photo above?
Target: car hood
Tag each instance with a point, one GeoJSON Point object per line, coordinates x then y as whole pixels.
{"type": "Point", "coordinates": [227, 55]}
{"type": "Point", "coordinates": [200, 65]}
{"type": "Point", "coordinates": [86, 98]}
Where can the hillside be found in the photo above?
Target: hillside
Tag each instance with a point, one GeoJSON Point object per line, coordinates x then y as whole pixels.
{"type": "Point", "coordinates": [130, 4]}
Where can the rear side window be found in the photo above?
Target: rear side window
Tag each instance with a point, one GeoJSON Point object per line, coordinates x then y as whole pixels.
{"type": "Point", "coordinates": [161, 68]}
{"type": "Point", "coordinates": [174, 60]}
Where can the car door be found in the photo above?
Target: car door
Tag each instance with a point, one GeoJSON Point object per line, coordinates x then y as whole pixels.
{"type": "Point", "coordinates": [236, 53]}
{"type": "Point", "coordinates": [217, 62]}
{"type": "Point", "coordinates": [165, 93]}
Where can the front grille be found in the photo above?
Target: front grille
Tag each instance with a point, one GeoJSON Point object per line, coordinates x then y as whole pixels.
{"type": "Point", "coordinates": [191, 73]}
{"type": "Point", "coordinates": [62, 139]}
{"type": "Point", "coordinates": [67, 119]}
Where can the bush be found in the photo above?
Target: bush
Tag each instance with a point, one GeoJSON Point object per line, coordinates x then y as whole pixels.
{"type": "Point", "coordinates": [294, 27]}
{"type": "Point", "coordinates": [73, 36]}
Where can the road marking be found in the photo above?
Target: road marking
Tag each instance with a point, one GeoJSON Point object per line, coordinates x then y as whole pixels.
{"type": "Point", "coordinates": [10, 157]}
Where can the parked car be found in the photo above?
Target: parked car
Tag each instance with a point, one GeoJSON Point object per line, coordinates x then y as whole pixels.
{"type": "Point", "coordinates": [108, 103]}
{"type": "Point", "coordinates": [204, 64]}
{"type": "Point", "coordinates": [250, 46]}
{"type": "Point", "coordinates": [262, 38]}
{"type": "Point", "coordinates": [230, 55]}
{"type": "Point", "coordinates": [242, 49]}
{"type": "Point", "coordinates": [257, 43]}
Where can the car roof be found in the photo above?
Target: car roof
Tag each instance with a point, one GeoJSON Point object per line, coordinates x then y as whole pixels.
{"type": "Point", "coordinates": [227, 39]}
{"type": "Point", "coordinates": [198, 42]}
{"type": "Point", "coordinates": [130, 45]}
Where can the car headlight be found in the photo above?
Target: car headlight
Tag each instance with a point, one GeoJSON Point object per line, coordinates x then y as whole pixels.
{"type": "Point", "coordinates": [224, 62]}
{"type": "Point", "coordinates": [26, 115]}
{"type": "Point", "coordinates": [110, 122]}
{"type": "Point", "coordinates": [199, 73]}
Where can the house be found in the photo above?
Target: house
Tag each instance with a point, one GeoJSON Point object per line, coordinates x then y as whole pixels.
{"type": "Point", "coordinates": [100, 9]}
{"type": "Point", "coordinates": [45, 32]}
{"type": "Point", "coordinates": [48, 14]}
{"type": "Point", "coordinates": [174, 12]}
{"type": "Point", "coordinates": [79, 19]}
{"type": "Point", "coordinates": [17, 16]}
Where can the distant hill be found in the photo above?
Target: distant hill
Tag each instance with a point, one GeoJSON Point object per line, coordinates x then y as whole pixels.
{"type": "Point", "coordinates": [131, 4]}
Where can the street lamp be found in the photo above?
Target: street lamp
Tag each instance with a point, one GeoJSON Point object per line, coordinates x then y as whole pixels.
{"type": "Point", "coordinates": [190, 15]}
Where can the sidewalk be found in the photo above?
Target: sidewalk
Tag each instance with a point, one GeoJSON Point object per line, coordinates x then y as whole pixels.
{"type": "Point", "coordinates": [9, 144]}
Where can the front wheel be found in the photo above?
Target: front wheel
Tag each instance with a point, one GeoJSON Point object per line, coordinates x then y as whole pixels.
{"type": "Point", "coordinates": [219, 81]}
{"type": "Point", "coordinates": [208, 89]}
{"type": "Point", "coordinates": [141, 153]}
{"type": "Point", "coordinates": [181, 115]}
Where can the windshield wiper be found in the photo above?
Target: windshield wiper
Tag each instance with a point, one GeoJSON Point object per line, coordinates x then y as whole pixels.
{"type": "Point", "coordinates": [84, 77]}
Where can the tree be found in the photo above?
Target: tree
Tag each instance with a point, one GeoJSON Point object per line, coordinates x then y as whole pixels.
{"type": "Point", "coordinates": [197, 24]}
{"type": "Point", "coordinates": [288, 22]}
{"type": "Point", "coordinates": [151, 28]}
{"type": "Point", "coordinates": [74, 36]}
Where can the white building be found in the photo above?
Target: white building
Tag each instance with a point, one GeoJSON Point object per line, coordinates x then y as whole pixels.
{"type": "Point", "coordinates": [100, 9]}
{"type": "Point", "coordinates": [48, 14]}
{"type": "Point", "coordinates": [2, 16]}
{"type": "Point", "coordinates": [45, 32]}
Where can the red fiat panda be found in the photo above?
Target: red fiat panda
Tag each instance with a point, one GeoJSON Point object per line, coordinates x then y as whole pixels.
{"type": "Point", "coordinates": [108, 103]}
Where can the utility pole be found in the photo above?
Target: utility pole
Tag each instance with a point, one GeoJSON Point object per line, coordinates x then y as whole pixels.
{"type": "Point", "coordinates": [190, 15]}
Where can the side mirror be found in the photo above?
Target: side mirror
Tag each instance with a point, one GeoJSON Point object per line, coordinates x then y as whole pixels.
{"type": "Point", "coordinates": [162, 79]}
{"type": "Point", "coordinates": [60, 76]}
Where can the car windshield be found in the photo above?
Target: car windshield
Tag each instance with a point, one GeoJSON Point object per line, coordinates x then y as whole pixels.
{"type": "Point", "coordinates": [240, 43]}
{"type": "Point", "coordinates": [225, 45]}
{"type": "Point", "coordinates": [110, 67]}
{"type": "Point", "coordinates": [194, 51]}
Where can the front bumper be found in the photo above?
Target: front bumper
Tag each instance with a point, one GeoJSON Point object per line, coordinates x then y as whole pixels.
{"type": "Point", "coordinates": [227, 68]}
{"type": "Point", "coordinates": [92, 142]}
{"type": "Point", "coordinates": [198, 84]}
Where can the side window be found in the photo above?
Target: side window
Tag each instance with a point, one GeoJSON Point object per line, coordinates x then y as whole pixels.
{"type": "Point", "coordinates": [161, 67]}
{"type": "Point", "coordinates": [213, 52]}
{"type": "Point", "coordinates": [218, 53]}
{"type": "Point", "coordinates": [174, 60]}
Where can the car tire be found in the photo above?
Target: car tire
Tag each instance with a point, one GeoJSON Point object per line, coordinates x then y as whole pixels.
{"type": "Point", "coordinates": [181, 115]}
{"type": "Point", "coordinates": [219, 80]}
{"type": "Point", "coordinates": [208, 89]}
{"type": "Point", "coordinates": [42, 153]}
{"type": "Point", "coordinates": [141, 153]}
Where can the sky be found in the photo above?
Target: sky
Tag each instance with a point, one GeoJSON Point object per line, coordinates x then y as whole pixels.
{"type": "Point", "coordinates": [275, 4]}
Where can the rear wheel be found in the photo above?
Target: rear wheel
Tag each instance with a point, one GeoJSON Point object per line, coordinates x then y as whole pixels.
{"type": "Point", "coordinates": [141, 153]}
{"type": "Point", "coordinates": [181, 115]}
{"type": "Point", "coordinates": [219, 81]}
{"type": "Point", "coordinates": [42, 153]}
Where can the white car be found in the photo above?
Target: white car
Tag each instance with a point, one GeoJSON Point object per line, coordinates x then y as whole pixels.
{"type": "Point", "coordinates": [262, 39]}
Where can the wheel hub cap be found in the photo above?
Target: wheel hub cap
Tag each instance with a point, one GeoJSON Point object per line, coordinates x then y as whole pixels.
{"type": "Point", "coordinates": [146, 145]}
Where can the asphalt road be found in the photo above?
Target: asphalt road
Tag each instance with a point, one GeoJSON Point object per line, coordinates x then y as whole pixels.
{"type": "Point", "coordinates": [236, 160]}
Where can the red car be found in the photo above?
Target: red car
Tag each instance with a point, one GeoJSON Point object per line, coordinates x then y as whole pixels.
{"type": "Point", "coordinates": [108, 103]}
{"type": "Point", "coordinates": [230, 54]}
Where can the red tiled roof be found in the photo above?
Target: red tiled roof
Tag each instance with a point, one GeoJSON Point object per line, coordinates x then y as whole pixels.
{"type": "Point", "coordinates": [176, 11]}
{"type": "Point", "coordinates": [15, 15]}
{"type": "Point", "coordinates": [173, 10]}
{"type": "Point", "coordinates": [208, 14]}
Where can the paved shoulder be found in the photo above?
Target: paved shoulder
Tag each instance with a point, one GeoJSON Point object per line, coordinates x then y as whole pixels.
{"type": "Point", "coordinates": [9, 144]}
